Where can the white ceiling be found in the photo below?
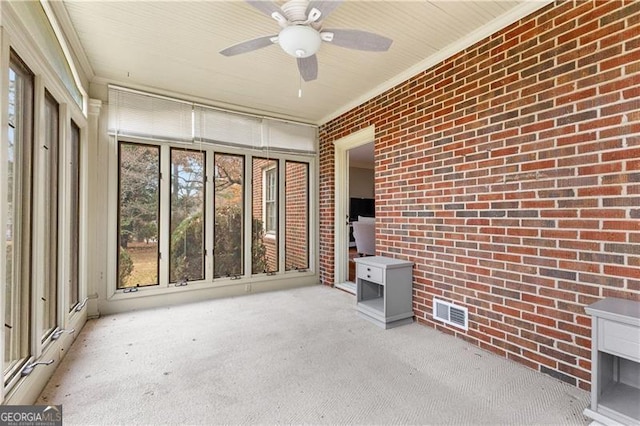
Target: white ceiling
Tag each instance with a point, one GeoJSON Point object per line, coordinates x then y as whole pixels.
{"type": "Point", "coordinates": [172, 47]}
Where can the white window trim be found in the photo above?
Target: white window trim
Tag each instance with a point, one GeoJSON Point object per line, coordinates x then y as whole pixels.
{"type": "Point", "coordinates": [269, 233]}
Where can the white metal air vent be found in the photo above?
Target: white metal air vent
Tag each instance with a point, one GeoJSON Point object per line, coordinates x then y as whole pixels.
{"type": "Point", "coordinates": [450, 314]}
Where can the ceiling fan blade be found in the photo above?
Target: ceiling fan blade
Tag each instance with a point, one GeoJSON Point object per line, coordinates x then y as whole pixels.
{"type": "Point", "coordinates": [266, 7]}
{"type": "Point", "coordinates": [308, 68]}
{"type": "Point", "coordinates": [324, 6]}
{"type": "Point", "coordinates": [248, 46]}
{"type": "Point", "coordinates": [359, 40]}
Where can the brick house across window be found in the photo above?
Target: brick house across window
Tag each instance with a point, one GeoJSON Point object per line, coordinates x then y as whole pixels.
{"type": "Point", "coordinates": [296, 215]}
{"type": "Point", "coordinates": [262, 198]}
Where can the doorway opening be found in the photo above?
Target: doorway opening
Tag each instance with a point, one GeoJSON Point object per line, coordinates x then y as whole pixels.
{"type": "Point", "coordinates": [355, 202]}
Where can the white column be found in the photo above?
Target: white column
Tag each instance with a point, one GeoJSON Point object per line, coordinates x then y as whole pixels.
{"type": "Point", "coordinates": [96, 171]}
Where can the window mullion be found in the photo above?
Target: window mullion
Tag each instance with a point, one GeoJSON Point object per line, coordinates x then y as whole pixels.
{"type": "Point", "coordinates": [248, 217]}
{"type": "Point", "coordinates": [164, 231]}
{"type": "Point", "coordinates": [281, 213]}
{"type": "Point", "coordinates": [39, 219]}
{"type": "Point", "coordinates": [209, 202]}
{"type": "Point", "coordinates": [63, 215]}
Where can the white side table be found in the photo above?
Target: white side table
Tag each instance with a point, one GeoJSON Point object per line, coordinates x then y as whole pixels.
{"type": "Point", "coordinates": [615, 362]}
{"type": "Point", "coordinates": [384, 290]}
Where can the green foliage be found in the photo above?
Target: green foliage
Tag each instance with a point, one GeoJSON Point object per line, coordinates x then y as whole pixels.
{"type": "Point", "coordinates": [125, 267]}
{"type": "Point", "coordinates": [228, 241]}
{"type": "Point", "coordinates": [147, 231]}
{"type": "Point", "coordinates": [186, 244]}
{"type": "Point", "coordinates": [186, 250]}
{"type": "Point", "coordinates": [139, 192]}
{"type": "Point", "coordinates": [258, 249]}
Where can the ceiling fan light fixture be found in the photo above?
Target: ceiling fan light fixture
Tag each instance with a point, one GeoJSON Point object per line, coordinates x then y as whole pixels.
{"type": "Point", "coordinates": [299, 41]}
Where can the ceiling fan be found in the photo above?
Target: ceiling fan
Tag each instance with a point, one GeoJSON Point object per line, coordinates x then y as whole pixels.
{"type": "Point", "coordinates": [302, 33]}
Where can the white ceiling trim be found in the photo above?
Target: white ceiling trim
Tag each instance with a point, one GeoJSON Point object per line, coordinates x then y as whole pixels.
{"type": "Point", "coordinates": [514, 15]}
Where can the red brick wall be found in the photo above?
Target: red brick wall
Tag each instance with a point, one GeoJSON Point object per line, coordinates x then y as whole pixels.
{"type": "Point", "coordinates": [296, 215]}
{"type": "Point", "coordinates": [326, 206]}
{"type": "Point", "coordinates": [510, 175]}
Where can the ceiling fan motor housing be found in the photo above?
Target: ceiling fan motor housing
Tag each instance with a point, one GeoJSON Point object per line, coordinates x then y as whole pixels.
{"type": "Point", "coordinates": [295, 10]}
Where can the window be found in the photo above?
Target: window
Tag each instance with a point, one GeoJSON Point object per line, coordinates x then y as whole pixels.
{"type": "Point", "coordinates": [187, 216]}
{"type": "Point", "coordinates": [138, 215]}
{"type": "Point", "coordinates": [17, 291]}
{"type": "Point", "coordinates": [270, 206]}
{"type": "Point", "coordinates": [74, 225]}
{"type": "Point", "coordinates": [182, 229]}
{"type": "Point", "coordinates": [50, 170]}
{"type": "Point", "coordinates": [296, 227]}
{"type": "Point", "coordinates": [228, 246]}
{"type": "Point", "coordinates": [265, 216]}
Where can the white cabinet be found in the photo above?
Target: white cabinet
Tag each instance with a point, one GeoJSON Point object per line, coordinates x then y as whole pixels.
{"type": "Point", "coordinates": [615, 362]}
{"type": "Point", "coordinates": [384, 290]}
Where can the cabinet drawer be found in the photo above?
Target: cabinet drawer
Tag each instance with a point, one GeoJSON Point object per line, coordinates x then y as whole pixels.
{"type": "Point", "coordinates": [619, 339]}
{"type": "Point", "coordinates": [370, 273]}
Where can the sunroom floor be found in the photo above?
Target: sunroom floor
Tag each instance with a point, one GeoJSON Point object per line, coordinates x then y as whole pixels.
{"type": "Point", "coordinates": [296, 356]}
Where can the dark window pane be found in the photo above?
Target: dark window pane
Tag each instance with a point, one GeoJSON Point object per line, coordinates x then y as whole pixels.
{"type": "Point", "coordinates": [74, 208]}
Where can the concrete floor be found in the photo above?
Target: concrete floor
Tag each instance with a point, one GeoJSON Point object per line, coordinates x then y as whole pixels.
{"type": "Point", "coordinates": [297, 356]}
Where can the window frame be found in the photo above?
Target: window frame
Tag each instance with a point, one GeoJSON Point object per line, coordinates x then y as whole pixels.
{"type": "Point", "coordinates": [158, 213]}
{"type": "Point", "coordinates": [243, 213]}
{"type": "Point", "coordinates": [203, 208]}
{"type": "Point", "coordinates": [51, 205]}
{"type": "Point", "coordinates": [75, 218]}
{"type": "Point", "coordinates": [270, 199]}
{"type": "Point", "coordinates": [22, 229]}
{"type": "Point", "coordinates": [286, 215]}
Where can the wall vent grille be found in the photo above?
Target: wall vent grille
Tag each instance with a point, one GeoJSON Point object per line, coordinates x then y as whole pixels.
{"type": "Point", "coordinates": [450, 314]}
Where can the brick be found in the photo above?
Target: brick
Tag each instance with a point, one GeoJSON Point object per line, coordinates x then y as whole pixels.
{"type": "Point", "coordinates": [573, 371]}
{"type": "Point", "coordinates": [609, 292]}
{"type": "Point", "coordinates": [575, 329]}
{"type": "Point", "coordinates": [601, 280]}
{"type": "Point", "coordinates": [621, 155]}
{"type": "Point", "coordinates": [544, 340]}
{"type": "Point", "coordinates": [536, 357]}
{"type": "Point", "coordinates": [622, 271]}
{"type": "Point", "coordinates": [621, 225]}
{"type": "Point", "coordinates": [554, 333]}
{"type": "Point", "coordinates": [557, 273]}
{"type": "Point", "coordinates": [558, 355]}
{"type": "Point", "coordinates": [578, 287]}
{"type": "Point", "coordinates": [601, 258]}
